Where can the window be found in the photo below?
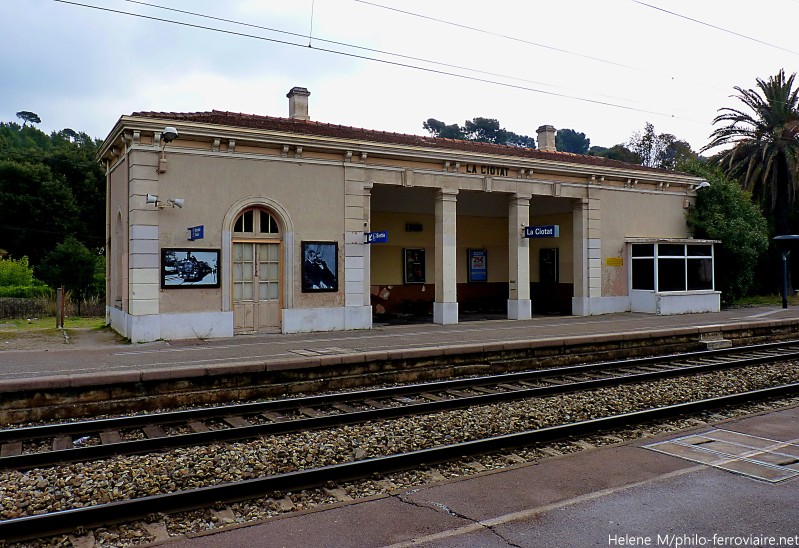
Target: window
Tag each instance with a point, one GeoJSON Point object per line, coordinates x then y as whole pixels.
{"type": "Point", "coordinates": [256, 222]}
{"type": "Point", "coordinates": [670, 266]}
{"type": "Point", "coordinates": [643, 267]}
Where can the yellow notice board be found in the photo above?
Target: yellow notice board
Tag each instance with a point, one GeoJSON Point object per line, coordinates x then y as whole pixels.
{"type": "Point", "coordinates": [614, 261]}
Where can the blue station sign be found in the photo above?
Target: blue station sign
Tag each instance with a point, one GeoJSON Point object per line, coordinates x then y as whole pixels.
{"type": "Point", "coordinates": [376, 237]}
{"type": "Point", "coordinates": [548, 231]}
{"type": "Point", "coordinates": [196, 232]}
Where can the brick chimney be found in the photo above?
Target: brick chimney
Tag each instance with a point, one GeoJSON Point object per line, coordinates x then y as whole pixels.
{"type": "Point", "coordinates": [546, 138]}
{"type": "Point", "coordinates": [298, 103]}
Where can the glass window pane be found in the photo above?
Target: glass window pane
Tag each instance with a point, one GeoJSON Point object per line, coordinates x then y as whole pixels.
{"type": "Point", "coordinates": [700, 274]}
{"type": "Point", "coordinates": [273, 293]}
{"type": "Point", "coordinates": [272, 272]}
{"type": "Point", "coordinates": [273, 253]}
{"type": "Point", "coordinates": [247, 291]}
{"type": "Point", "coordinates": [238, 272]}
{"type": "Point", "coordinates": [239, 226]}
{"type": "Point", "coordinates": [700, 250]}
{"type": "Point", "coordinates": [237, 252]}
{"type": "Point", "coordinates": [247, 253]}
{"type": "Point", "coordinates": [644, 274]}
{"type": "Point", "coordinates": [237, 292]}
{"type": "Point", "coordinates": [643, 250]}
{"type": "Point", "coordinates": [263, 224]}
{"type": "Point", "coordinates": [671, 274]}
{"type": "Point", "coordinates": [671, 250]}
{"type": "Point", "coordinates": [273, 226]}
{"type": "Point", "coordinates": [247, 221]}
{"type": "Point", "coordinates": [262, 291]}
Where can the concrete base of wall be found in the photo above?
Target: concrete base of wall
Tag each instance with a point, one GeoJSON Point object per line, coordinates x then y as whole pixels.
{"type": "Point", "coordinates": [594, 306]}
{"type": "Point", "coordinates": [690, 302]}
{"type": "Point", "coordinates": [520, 309]}
{"type": "Point", "coordinates": [152, 327]}
{"type": "Point", "coordinates": [445, 313]}
{"type": "Point", "coordinates": [306, 320]}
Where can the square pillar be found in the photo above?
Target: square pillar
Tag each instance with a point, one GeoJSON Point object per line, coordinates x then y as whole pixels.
{"type": "Point", "coordinates": [144, 274]}
{"type": "Point", "coordinates": [445, 307]}
{"type": "Point", "coordinates": [357, 201]}
{"type": "Point", "coordinates": [587, 254]}
{"type": "Point", "coordinates": [519, 303]}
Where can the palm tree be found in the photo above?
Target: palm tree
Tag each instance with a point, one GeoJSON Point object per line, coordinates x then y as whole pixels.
{"type": "Point", "coordinates": [765, 152]}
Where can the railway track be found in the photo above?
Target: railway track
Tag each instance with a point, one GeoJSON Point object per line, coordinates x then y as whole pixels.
{"type": "Point", "coordinates": [37, 446]}
{"type": "Point", "coordinates": [39, 526]}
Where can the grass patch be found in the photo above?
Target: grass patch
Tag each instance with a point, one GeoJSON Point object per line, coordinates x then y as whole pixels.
{"type": "Point", "coordinates": [90, 322]}
{"type": "Point", "coordinates": [765, 300]}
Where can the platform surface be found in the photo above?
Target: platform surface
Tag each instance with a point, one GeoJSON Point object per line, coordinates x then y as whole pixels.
{"type": "Point", "coordinates": [99, 353]}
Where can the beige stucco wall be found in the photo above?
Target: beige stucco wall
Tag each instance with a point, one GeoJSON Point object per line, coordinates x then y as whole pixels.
{"type": "Point", "coordinates": [386, 259]}
{"type": "Point", "coordinates": [489, 233]}
{"type": "Point", "coordinates": [311, 195]}
{"type": "Point", "coordinates": [118, 231]}
{"type": "Point", "coordinates": [628, 214]}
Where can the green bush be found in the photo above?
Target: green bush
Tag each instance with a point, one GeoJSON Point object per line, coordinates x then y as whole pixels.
{"type": "Point", "coordinates": [725, 212]}
{"type": "Point", "coordinates": [25, 291]}
{"type": "Point", "coordinates": [15, 273]}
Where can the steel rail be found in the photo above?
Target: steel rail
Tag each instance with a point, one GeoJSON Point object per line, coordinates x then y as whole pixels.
{"type": "Point", "coordinates": [42, 525]}
{"type": "Point", "coordinates": [76, 454]}
{"type": "Point", "coordinates": [172, 417]}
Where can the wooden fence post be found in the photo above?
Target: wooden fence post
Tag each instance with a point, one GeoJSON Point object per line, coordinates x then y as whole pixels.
{"type": "Point", "coordinates": [59, 305]}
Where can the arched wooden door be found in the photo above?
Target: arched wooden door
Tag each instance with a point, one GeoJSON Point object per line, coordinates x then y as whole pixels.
{"type": "Point", "coordinates": [257, 280]}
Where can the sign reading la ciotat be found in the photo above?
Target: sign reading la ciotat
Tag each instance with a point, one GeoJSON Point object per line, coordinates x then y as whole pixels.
{"type": "Point", "coordinates": [497, 171]}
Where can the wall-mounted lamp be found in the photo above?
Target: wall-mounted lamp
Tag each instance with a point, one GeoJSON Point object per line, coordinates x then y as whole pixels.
{"type": "Point", "coordinates": [171, 202]}
{"type": "Point", "coordinates": [168, 135]}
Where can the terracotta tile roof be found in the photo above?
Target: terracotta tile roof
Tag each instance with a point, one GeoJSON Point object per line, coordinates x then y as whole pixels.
{"type": "Point", "coordinates": [310, 127]}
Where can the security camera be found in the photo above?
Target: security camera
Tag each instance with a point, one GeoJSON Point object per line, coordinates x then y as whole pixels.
{"type": "Point", "coordinates": [170, 134]}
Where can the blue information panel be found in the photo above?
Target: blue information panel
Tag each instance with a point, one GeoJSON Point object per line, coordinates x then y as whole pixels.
{"type": "Point", "coordinates": [377, 237]}
{"type": "Point", "coordinates": [548, 231]}
{"type": "Point", "coordinates": [196, 232]}
{"type": "Point", "coordinates": [478, 265]}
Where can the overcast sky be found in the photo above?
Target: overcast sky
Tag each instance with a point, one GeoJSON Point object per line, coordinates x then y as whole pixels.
{"type": "Point", "coordinates": [604, 68]}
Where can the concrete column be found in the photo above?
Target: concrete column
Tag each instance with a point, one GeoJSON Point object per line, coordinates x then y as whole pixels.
{"type": "Point", "coordinates": [519, 304]}
{"type": "Point", "coordinates": [357, 204]}
{"type": "Point", "coordinates": [594, 245]}
{"type": "Point", "coordinates": [445, 307]}
{"type": "Point", "coordinates": [587, 254]}
{"type": "Point", "coordinates": [144, 278]}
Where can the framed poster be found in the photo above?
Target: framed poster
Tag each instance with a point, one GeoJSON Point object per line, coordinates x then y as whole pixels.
{"type": "Point", "coordinates": [319, 266]}
{"type": "Point", "coordinates": [181, 268]}
{"type": "Point", "coordinates": [413, 266]}
{"type": "Point", "coordinates": [478, 265]}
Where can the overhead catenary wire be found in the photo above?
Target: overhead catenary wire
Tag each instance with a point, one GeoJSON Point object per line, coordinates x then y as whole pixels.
{"type": "Point", "coordinates": [578, 54]}
{"type": "Point", "coordinates": [712, 26]}
{"type": "Point", "coordinates": [383, 61]}
{"type": "Point", "coordinates": [374, 50]}
{"type": "Point", "coordinates": [536, 44]}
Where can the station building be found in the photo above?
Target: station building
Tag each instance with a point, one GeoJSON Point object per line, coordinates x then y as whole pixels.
{"type": "Point", "coordinates": [221, 223]}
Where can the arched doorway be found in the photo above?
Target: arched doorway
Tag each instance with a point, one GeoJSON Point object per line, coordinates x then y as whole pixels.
{"type": "Point", "coordinates": [256, 274]}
